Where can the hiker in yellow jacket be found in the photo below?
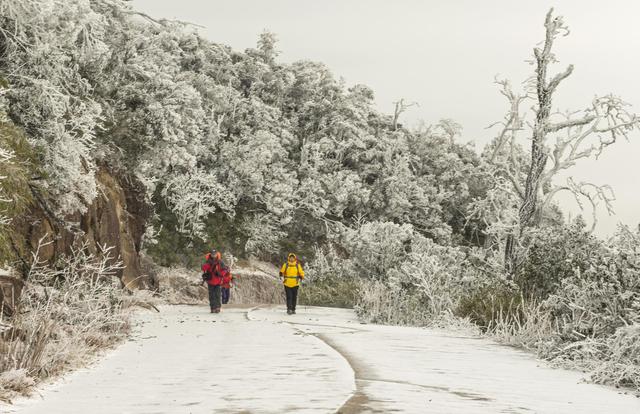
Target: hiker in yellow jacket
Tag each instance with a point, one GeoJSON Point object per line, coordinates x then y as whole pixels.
{"type": "Point", "coordinates": [292, 273]}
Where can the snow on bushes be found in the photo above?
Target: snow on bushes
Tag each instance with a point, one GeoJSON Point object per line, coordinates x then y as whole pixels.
{"type": "Point", "coordinates": [618, 358]}
{"type": "Point", "coordinates": [423, 288]}
{"type": "Point", "coordinates": [67, 312]}
{"type": "Point", "coordinates": [400, 276]}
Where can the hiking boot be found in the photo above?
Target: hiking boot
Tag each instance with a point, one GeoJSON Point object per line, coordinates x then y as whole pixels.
{"type": "Point", "coordinates": [288, 311]}
{"type": "Point", "coordinates": [293, 312]}
{"type": "Point", "coordinates": [216, 310]}
{"type": "Point", "coordinates": [212, 310]}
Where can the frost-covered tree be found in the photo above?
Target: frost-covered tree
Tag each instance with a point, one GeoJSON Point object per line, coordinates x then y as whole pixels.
{"type": "Point", "coordinates": [194, 197]}
{"type": "Point", "coordinates": [46, 47]}
{"type": "Point", "coordinates": [558, 141]}
{"type": "Point", "coordinates": [218, 135]}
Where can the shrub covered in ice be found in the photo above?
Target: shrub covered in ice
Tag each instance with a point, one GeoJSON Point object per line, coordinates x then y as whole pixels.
{"type": "Point", "coordinates": [66, 313]}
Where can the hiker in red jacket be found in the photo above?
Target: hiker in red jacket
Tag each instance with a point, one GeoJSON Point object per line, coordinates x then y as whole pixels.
{"type": "Point", "coordinates": [214, 272]}
{"type": "Point", "coordinates": [226, 286]}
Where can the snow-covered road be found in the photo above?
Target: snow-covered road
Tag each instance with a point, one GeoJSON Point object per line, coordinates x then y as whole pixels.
{"type": "Point", "coordinates": [260, 360]}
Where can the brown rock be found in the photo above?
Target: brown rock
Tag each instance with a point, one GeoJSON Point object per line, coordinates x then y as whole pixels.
{"type": "Point", "coordinates": [114, 219]}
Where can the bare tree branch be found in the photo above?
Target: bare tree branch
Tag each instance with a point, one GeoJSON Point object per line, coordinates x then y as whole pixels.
{"type": "Point", "coordinates": [571, 123]}
{"type": "Point", "coordinates": [400, 107]}
{"type": "Point", "coordinates": [586, 192]}
{"type": "Point", "coordinates": [556, 144]}
{"type": "Point", "coordinates": [553, 84]}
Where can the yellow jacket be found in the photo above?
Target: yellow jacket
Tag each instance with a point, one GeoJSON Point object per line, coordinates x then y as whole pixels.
{"type": "Point", "coordinates": [292, 271]}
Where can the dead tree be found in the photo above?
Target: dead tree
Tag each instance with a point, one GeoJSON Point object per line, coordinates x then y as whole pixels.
{"type": "Point", "coordinates": [400, 107]}
{"type": "Point", "coordinates": [558, 141]}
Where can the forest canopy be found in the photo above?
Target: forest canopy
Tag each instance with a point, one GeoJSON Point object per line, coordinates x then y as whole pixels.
{"type": "Point", "coordinates": [277, 152]}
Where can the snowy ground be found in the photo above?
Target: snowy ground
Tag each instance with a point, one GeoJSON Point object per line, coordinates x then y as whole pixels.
{"type": "Point", "coordinates": [259, 360]}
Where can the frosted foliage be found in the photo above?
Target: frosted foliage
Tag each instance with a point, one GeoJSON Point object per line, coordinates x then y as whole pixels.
{"type": "Point", "coordinates": [401, 188]}
{"type": "Point", "coordinates": [435, 273]}
{"type": "Point", "coordinates": [6, 157]}
{"type": "Point", "coordinates": [16, 380]}
{"type": "Point", "coordinates": [169, 121]}
{"type": "Point", "coordinates": [161, 105]}
{"type": "Point", "coordinates": [49, 97]}
{"type": "Point", "coordinates": [67, 313]}
{"type": "Point", "coordinates": [195, 197]}
{"type": "Point", "coordinates": [71, 183]}
{"type": "Point", "coordinates": [498, 211]}
{"type": "Point", "coordinates": [376, 247]}
{"type": "Point", "coordinates": [327, 263]}
{"type": "Point", "coordinates": [344, 189]}
{"type": "Point", "coordinates": [212, 130]}
{"type": "Point", "coordinates": [263, 234]}
{"type": "Point", "coordinates": [409, 199]}
{"type": "Point", "coordinates": [257, 168]}
{"type": "Point", "coordinates": [312, 197]}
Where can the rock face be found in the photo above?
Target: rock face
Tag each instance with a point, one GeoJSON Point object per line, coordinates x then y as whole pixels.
{"type": "Point", "coordinates": [116, 218]}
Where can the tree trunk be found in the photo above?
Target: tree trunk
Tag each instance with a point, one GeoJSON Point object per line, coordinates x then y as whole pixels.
{"type": "Point", "coordinates": [529, 206]}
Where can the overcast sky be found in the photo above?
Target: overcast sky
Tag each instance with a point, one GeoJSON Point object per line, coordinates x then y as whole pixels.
{"type": "Point", "coordinates": [445, 55]}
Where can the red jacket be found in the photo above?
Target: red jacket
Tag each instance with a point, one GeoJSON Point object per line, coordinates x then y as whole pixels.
{"type": "Point", "coordinates": [227, 279]}
{"type": "Point", "coordinates": [220, 275]}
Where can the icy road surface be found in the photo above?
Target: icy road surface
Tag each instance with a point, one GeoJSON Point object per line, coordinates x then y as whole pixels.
{"type": "Point", "coordinates": [260, 360]}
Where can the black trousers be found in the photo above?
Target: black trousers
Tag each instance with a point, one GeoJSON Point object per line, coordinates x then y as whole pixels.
{"type": "Point", "coordinates": [214, 296]}
{"type": "Point", "coordinates": [226, 295]}
{"type": "Point", "coordinates": [292, 297]}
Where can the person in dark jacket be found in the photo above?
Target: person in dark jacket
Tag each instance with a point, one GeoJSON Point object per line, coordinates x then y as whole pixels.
{"type": "Point", "coordinates": [214, 272]}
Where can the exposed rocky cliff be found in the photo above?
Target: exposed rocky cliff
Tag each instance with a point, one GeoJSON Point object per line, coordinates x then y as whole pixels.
{"type": "Point", "coordinates": [116, 218]}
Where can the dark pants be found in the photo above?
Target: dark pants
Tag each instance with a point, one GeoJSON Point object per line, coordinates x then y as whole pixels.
{"type": "Point", "coordinates": [214, 296]}
{"type": "Point", "coordinates": [292, 297]}
{"type": "Point", "coordinates": [226, 294]}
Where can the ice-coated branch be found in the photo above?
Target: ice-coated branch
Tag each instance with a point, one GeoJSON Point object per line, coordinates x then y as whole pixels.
{"type": "Point", "coordinates": [571, 123]}
{"type": "Point", "coordinates": [121, 6]}
{"type": "Point", "coordinates": [513, 120]}
{"type": "Point", "coordinates": [586, 192]}
{"type": "Point", "coordinates": [400, 107]}
{"type": "Point", "coordinates": [5, 158]}
{"type": "Point", "coordinates": [606, 120]}
{"type": "Point", "coordinates": [555, 81]}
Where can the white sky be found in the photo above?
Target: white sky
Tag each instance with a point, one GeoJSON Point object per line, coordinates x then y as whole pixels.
{"type": "Point", "coordinates": [445, 54]}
